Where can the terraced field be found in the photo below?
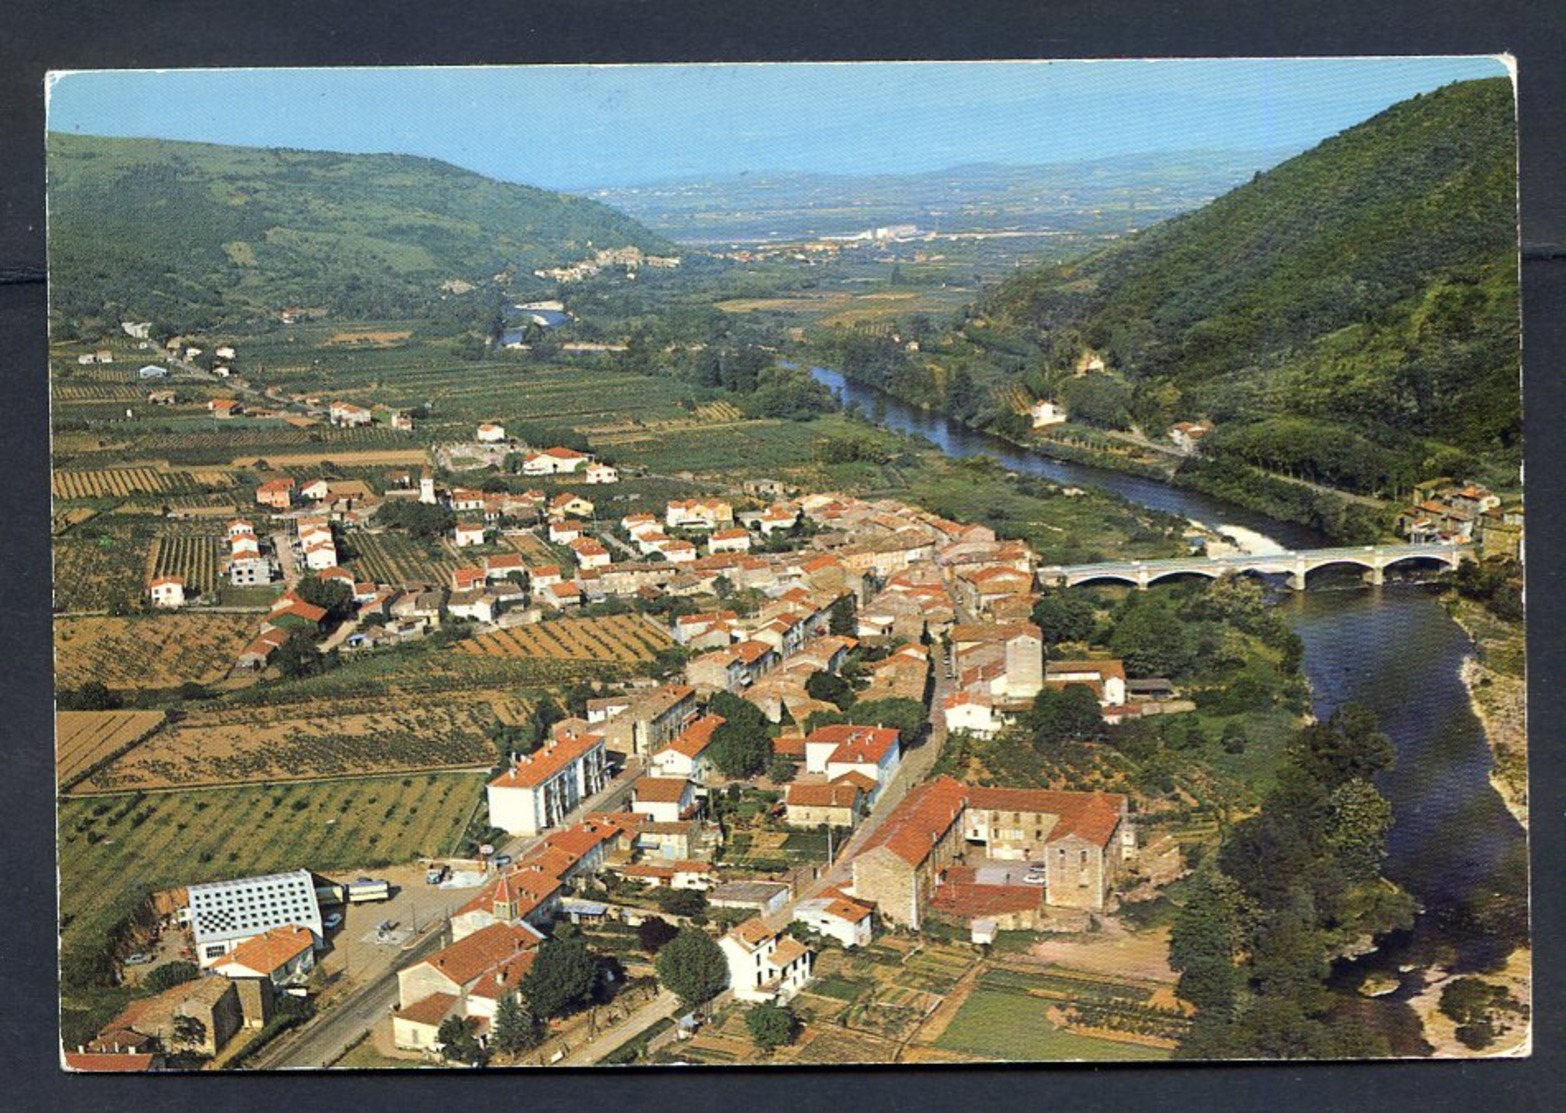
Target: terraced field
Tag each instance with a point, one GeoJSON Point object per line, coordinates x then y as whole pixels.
{"type": "Point", "coordinates": [396, 558]}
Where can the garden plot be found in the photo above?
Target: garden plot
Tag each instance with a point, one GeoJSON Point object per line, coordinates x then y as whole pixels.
{"type": "Point", "coordinates": [625, 639]}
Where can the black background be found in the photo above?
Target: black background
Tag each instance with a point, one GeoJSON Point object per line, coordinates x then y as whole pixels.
{"type": "Point", "coordinates": [179, 33]}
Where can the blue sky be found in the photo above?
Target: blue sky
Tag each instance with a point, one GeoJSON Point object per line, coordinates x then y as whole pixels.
{"type": "Point", "coordinates": [576, 127]}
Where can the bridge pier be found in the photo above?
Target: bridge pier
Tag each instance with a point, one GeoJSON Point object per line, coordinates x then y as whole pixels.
{"type": "Point", "coordinates": [1376, 577]}
{"type": "Point", "coordinates": [1297, 577]}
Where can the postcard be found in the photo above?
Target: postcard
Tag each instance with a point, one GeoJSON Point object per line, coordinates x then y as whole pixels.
{"type": "Point", "coordinates": [788, 564]}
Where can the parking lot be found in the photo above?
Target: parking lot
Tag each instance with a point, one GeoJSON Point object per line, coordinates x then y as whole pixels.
{"type": "Point", "coordinates": [993, 871]}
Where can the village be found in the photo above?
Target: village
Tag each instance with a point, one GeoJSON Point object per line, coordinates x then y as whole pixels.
{"type": "Point", "coordinates": [791, 605]}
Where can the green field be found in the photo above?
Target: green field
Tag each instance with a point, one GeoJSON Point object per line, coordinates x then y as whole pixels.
{"type": "Point", "coordinates": [115, 850]}
{"type": "Point", "coordinates": [999, 1025]}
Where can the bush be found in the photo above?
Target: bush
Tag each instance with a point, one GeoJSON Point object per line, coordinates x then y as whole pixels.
{"type": "Point", "coordinates": [170, 974]}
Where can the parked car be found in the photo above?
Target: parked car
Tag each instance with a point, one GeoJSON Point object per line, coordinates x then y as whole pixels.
{"type": "Point", "coordinates": [501, 860]}
{"type": "Point", "coordinates": [332, 920]}
{"type": "Point", "coordinates": [140, 958]}
{"type": "Point", "coordinates": [1031, 878]}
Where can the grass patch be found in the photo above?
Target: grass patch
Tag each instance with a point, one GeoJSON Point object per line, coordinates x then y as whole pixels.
{"type": "Point", "coordinates": [1014, 1027]}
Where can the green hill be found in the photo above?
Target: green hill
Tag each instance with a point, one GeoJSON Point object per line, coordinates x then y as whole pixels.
{"type": "Point", "coordinates": [197, 233]}
{"type": "Point", "coordinates": [1349, 317]}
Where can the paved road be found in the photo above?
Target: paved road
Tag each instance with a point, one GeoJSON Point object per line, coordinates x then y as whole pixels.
{"type": "Point", "coordinates": [327, 1037]}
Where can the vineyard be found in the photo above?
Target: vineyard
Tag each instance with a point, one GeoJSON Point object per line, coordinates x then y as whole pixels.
{"type": "Point", "coordinates": [233, 745]}
{"type": "Point", "coordinates": [627, 639]}
{"type": "Point", "coordinates": [114, 850]}
{"type": "Point", "coordinates": [159, 651]}
{"type": "Point", "coordinates": [82, 739]}
{"type": "Point", "coordinates": [123, 482]}
{"type": "Point", "coordinates": [396, 558]}
{"type": "Point", "coordinates": [188, 553]}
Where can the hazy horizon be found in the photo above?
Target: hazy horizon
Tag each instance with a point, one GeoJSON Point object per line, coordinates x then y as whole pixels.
{"type": "Point", "coordinates": [577, 128]}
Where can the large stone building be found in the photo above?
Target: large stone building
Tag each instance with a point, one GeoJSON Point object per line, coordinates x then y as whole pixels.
{"type": "Point", "coordinates": [1082, 839]}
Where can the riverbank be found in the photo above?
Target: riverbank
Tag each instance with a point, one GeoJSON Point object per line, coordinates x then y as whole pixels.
{"type": "Point", "coordinates": [1497, 690]}
{"type": "Point", "coordinates": [1440, 1031]}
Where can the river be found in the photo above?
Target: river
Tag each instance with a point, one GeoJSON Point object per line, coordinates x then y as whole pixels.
{"type": "Point", "coordinates": [1453, 844]}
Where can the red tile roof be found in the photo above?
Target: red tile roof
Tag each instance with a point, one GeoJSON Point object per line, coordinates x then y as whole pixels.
{"type": "Point", "coordinates": [108, 1061]}
{"type": "Point", "coordinates": [920, 820]}
{"type": "Point", "coordinates": [837, 794]}
{"type": "Point", "coordinates": [485, 949]}
{"type": "Point", "coordinates": [847, 910]}
{"type": "Point", "coordinates": [661, 790]}
{"type": "Point", "coordinates": [271, 950]}
{"type": "Point", "coordinates": [697, 737]}
{"type": "Point", "coordinates": [855, 743]}
{"type": "Point", "coordinates": [532, 770]}
{"type": "Point", "coordinates": [1092, 816]}
{"type": "Point", "coordinates": [753, 933]}
{"type": "Point", "coordinates": [430, 1010]}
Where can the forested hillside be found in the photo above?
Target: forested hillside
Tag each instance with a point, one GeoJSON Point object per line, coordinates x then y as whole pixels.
{"type": "Point", "coordinates": [1349, 317]}
{"type": "Point", "coordinates": [200, 233]}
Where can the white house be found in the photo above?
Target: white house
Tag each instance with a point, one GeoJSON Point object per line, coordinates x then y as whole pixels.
{"type": "Point", "coordinates": [663, 799]}
{"type": "Point", "coordinates": [729, 541]}
{"type": "Point", "coordinates": [1046, 412]}
{"type": "Point", "coordinates": [686, 757]}
{"type": "Point", "coordinates": [601, 473]}
{"type": "Point", "coordinates": [973, 712]}
{"type": "Point", "coordinates": [850, 923]}
{"type": "Point", "coordinates": [468, 533]}
{"type": "Point", "coordinates": [1106, 677]}
{"type": "Point", "coordinates": [491, 433]}
{"type": "Point", "coordinates": [763, 965]}
{"type": "Point", "coordinates": [282, 955]}
{"type": "Point", "coordinates": [841, 748]}
{"type": "Point", "coordinates": [167, 591]}
{"type": "Point", "coordinates": [698, 514]}
{"type": "Point", "coordinates": [554, 461]}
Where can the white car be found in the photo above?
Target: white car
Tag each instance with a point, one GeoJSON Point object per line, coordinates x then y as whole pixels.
{"type": "Point", "coordinates": [1031, 878]}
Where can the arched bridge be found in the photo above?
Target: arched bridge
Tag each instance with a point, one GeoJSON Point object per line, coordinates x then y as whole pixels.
{"type": "Point", "coordinates": [1295, 565]}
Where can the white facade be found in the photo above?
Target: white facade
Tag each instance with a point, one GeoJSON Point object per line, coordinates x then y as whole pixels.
{"type": "Point", "coordinates": [764, 966]}
{"type": "Point", "coordinates": [542, 788]}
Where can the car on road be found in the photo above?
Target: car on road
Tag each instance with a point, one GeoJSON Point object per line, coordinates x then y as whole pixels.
{"type": "Point", "coordinates": [501, 860]}
{"type": "Point", "coordinates": [140, 958]}
{"type": "Point", "coordinates": [1031, 878]}
{"type": "Point", "coordinates": [332, 920]}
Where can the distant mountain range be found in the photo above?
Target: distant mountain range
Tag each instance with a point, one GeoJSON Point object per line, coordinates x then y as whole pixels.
{"type": "Point", "coordinates": [160, 228]}
{"type": "Point", "coordinates": [1101, 195]}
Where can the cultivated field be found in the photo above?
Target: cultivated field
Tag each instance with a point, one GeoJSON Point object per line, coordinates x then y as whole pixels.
{"type": "Point", "coordinates": [189, 553]}
{"type": "Point", "coordinates": [116, 850]}
{"type": "Point", "coordinates": [397, 558]}
{"type": "Point", "coordinates": [158, 651]}
{"type": "Point", "coordinates": [626, 639]}
{"type": "Point", "coordinates": [82, 739]}
{"type": "Point", "coordinates": [239, 744]}
{"type": "Point", "coordinates": [102, 568]}
{"type": "Point", "coordinates": [147, 480]}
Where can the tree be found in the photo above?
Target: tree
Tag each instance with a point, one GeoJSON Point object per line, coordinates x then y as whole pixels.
{"type": "Point", "coordinates": [1205, 940]}
{"type": "Point", "coordinates": [298, 656]}
{"type": "Point", "coordinates": [563, 976]}
{"type": "Point", "coordinates": [189, 1031]}
{"type": "Point", "coordinates": [1152, 640]}
{"type": "Point", "coordinates": [653, 932]}
{"type": "Point", "coordinates": [170, 974]}
{"type": "Point", "coordinates": [1358, 820]}
{"type": "Point", "coordinates": [1347, 746]}
{"type": "Point", "coordinates": [782, 770]}
{"type": "Point", "coordinates": [1069, 714]}
{"type": "Point", "coordinates": [515, 1028]}
{"type": "Point", "coordinates": [692, 966]}
{"type": "Point", "coordinates": [94, 695]}
{"type": "Point", "coordinates": [829, 688]}
{"type": "Point", "coordinates": [333, 596]}
{"type": "Point", "coordinates": [741, 746]}
{"type": "Point", "coordinates": [1064, 616]}
{"type": "Point", "coordinates": [771, 1026]}
{"type": "Point", "coordinates": [840, 617]}
{"type": "Point", "coordinates": [682, 902]}
{"type": "Point", "coordinates": [457, 1042]}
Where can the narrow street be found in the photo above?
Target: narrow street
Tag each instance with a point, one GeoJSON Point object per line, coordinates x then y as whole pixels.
{"type": "Point", "coordinates": [643, 1017]}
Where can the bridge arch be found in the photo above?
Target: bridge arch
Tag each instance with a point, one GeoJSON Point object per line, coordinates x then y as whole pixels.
{"type": "Point", "coordinates": [1437, 560]}
{"type": "Point", "coordinates": [1177, 573]}
{"type": "Point", "coordinates": [1102, 578]}
{"type": "Point", "coordinates": [1340, 562]}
